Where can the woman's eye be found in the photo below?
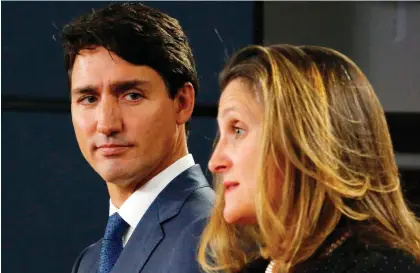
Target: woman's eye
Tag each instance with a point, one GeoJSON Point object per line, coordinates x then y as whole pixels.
{"type": "Point", "coordinates": [238, 131]}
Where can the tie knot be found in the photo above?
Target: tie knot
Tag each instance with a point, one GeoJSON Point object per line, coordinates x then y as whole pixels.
{"type": "Point", "coordinates": [115, 227]}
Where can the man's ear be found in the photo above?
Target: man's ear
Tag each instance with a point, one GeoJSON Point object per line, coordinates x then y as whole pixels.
{"type": "Point", "coordinates": [184, 103]}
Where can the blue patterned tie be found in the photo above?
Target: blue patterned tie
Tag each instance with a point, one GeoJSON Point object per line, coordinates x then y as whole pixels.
{"type": "Point", "coordinates": [112, 243]}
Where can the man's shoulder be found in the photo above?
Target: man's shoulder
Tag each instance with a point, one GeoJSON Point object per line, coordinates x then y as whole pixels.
{"type": "Point", "coordinates": [189, 193]}
{"type": "Point", "coordinates": [190, 208]}
{"type": "Point", "coordinates": [198, 205]}
{"type": "Point", "coordinates": [202, 191]}
{"type": "Point", "coordinates": [203, 194]}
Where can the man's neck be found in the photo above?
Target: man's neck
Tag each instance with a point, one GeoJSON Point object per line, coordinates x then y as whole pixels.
{"type": "Point", "coordinates": [119, 193]}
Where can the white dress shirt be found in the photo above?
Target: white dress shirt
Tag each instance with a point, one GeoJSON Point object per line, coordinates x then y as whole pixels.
{"type": "Point", "coordinates": [133, 209]}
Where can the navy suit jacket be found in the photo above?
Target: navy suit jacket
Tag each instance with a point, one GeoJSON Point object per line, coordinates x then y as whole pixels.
{"type": "Point", "coordinates": [166, 238]}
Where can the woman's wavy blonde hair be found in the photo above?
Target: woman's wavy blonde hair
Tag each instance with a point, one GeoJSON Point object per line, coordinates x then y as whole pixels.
{"type": "Point", "coordinates": [325, 135]}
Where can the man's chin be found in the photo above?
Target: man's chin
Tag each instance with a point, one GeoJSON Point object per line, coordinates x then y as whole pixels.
{"type": "Point", "coordinates": [115, 176]}
{"type": "Point", "coordinates": [121, 174]}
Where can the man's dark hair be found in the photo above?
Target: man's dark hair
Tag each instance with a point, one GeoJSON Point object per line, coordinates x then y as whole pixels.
{"type": "Point", "coordinates": [138, 34]}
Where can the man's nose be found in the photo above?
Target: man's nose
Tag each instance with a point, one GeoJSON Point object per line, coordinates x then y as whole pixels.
{"type": "Point", "coordinates": [109, 120]}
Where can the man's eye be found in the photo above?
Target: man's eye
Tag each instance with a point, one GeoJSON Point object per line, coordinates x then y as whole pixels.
{"type": "Point", "coordinates": [133, 96]}
{"type": "Point", "coordinates": [88, 100]}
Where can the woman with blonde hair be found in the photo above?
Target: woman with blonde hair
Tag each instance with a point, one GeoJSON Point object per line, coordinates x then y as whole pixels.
{"type": "Point", "coordinates": [305, 171]}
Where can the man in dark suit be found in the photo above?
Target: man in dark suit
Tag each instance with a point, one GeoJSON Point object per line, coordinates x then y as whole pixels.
{"type": "Point", "coordinates": [133, 85]}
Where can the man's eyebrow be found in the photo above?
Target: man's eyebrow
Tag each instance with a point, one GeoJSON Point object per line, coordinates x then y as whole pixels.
{"type": "Point", "coordinates": [84, 89]}
{"type": "Point", "coordinates": [121, 86]}
{"type": "Point", "coordinates": [117, 87]}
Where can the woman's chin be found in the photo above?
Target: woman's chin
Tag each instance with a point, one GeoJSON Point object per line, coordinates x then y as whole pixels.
{"type": "Point", "coordinates": [229, 216]}
{"type": "Point", "coordinates": [235, 217]}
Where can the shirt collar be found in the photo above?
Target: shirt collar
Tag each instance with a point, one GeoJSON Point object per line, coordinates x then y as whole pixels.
{"type": "Point", "coordinates": [133, 209]}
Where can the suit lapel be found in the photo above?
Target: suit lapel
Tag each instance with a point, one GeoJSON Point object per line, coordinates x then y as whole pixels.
{"type": "Point", "coordinates": [148, 233]}
{"type": "Point", "coordinates": [89, 264]}
{"type": "Point", "coordinates": [144, 240]}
